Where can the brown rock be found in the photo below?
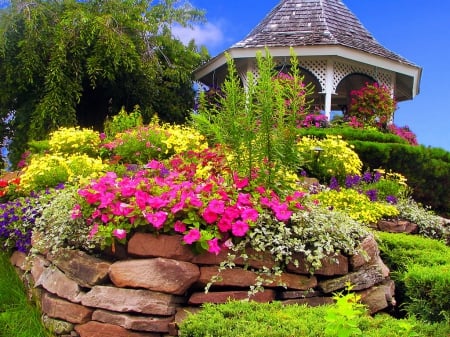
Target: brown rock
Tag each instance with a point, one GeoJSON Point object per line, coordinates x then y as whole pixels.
{"type": "Point", "coordinates": [310, 301]}
{"type": "Point", "coordinates": [292, 281]}
{"type": "Point", "coordinates": [131, 300]}
{"type": "Point", "coordinates": [364, 278]}
{"type": "Point", "coordinates": [224, 296]}
{"type": "Point", "coordinates": [38, 265]}
{"type": "Point", "coordinates": [384, 269]}
{"type": "Point", "coordinates": [133, 322]}
{"type": "Point", "coordinates": [235, 277]}
{"type": "Point", "coordinates": [397, 226]}
{"type": "Point", "coordinates": [96, 329]}
{"type": "Point", "coordinates": [332, 265]}
{"type": "Point", "coordinates": [298, 294]}
{"type": "Point", "coordinates": [18, 259]}
{"type": "Point", "coordinates": [166, 246]}
{"type": "Point", "coordinates": [374, 298]}
{"type": "Point", "coordinates": [55, 282]}
{"type": "Point", "coordinates": [254, 259]}
{"type": "Point", "coordinates": [87, 270]}
{"type": "Point", "coordinates": [159, 274]}
{"type": "Point", "coordinates": [56, 307]}
{"type": "Point", "coordinates": [368, 253]}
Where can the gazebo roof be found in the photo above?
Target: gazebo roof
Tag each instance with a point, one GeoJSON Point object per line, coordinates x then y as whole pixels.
{"type": "Point", "coordinates": [313, 23]}
{"type": "Point", "coordinates": [316, 29]}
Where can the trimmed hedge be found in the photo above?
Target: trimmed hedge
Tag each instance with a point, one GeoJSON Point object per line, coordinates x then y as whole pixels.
{"type": "Point", "coordinates": [422, 274]}
{"type": "Point", "coordinates": [250, 319]}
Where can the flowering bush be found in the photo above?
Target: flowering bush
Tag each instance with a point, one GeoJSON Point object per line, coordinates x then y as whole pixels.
{"type": "Point", "coordinates": [336, 158]}
{"type": "Point", "coordinates": [154, 141]}
{"type": "Point", "coordinates": [49, 170]}
{"type": "Point", "coordinates": [372, 104]}
{"type": "Point", "coordinates": [404, 132]}
{"type": "Point", "coordinates": [71, 140]}
{"type": "Point", "coordinates": [314, 120]}
{"type": "Point", "coordinates": [9, 188]}
{"type": "Point", "coordinates": [357, 205]}
{"type": "Point", "coordinates": [179, 197]}
{"type": "Point", "coordinates": [122, 121]}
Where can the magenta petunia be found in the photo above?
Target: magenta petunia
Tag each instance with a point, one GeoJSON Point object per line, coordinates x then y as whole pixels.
{"type": "Point", "coordinates": [239, 228]}
{"type": "Point", "coordinates": [249, 214]}
{"type": "Point", "coordinates": [244, 199]}
{"type": "Point", "coordinates": [179, 226]}
{"type": "Point", "coordinates": [120, 233]}
{"type": "Point", "coordinates": [76, 212]}
{"type": "Point", "coordinates": [216, 206]}
{"type": "Point", "coordinates": [157, 219]}
{"type": "Point", "coordinates": [209, 216]}
{"type": "Point", "coordinates": [224, 224]}
{"type": "Point", "coordinates": [193, 236]}
{"type": "Point", "coordinates": [213, 246]}
{"type": "Point", "coordinates": [240, 183]}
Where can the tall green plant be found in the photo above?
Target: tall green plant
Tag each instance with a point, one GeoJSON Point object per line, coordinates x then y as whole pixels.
{"type": "Point", "coordinates": [258, 123]}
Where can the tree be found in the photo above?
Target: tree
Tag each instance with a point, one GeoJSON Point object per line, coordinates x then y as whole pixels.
{"type": "Point", "coordinates": [67, 62]}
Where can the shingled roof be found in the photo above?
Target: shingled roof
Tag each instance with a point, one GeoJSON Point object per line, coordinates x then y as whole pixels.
{"type": "Point", "coordinates": [313, 23]}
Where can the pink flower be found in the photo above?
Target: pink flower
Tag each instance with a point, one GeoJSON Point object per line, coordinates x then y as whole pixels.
{"type": "Point", "coordinates": [216, 206]}
{"type": "Point", "coordinates": [249, 214]}
{"type": "Point", "coordinates": [154, 165]}
{"type": "Point", "coordinates": [213, 246]}
{"type": "Point", "coordinates": [239, 228]}
{"type": "Point", "coordinates": [76, 212]}
{"type": "Point", "coordinates": [93, 231]}
{"type": "Point", "coordinates": [156, 202]}
{"type": "Point", "coordinates": [282, 213]}
{"type": "Point", "coordinates": [224, 224]}
{"type": "Point", "coordinates": [209, 216]}
{"type": "Point", "coordinates": [157, 219]}
{"type": "Point", "coordinates": [191, 237]}
{"type": "Point", "coordinates": [179, 226]}
{"type": "Point", "coordinates": [244, 199]}
{"type": "Point", "coordinates": [120, 233]}
{"type": "Point", "coordinates": [240, 183]}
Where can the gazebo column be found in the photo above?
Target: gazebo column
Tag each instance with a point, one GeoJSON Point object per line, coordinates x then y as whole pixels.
{"type": "Point", "coordinates": [329, 87]}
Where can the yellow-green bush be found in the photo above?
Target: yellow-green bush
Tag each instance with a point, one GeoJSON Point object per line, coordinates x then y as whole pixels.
{"type": "Point", "coordinates": [72, 140]}
{"type": "Point", "coordinates": [356, 205]}
{"type": "Point", "coordinates": [49, 170]}
{"type": "Point", "coordinates": [335, 157]}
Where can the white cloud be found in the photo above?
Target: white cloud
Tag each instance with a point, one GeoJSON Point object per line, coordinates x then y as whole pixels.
{"type": "Point", "coordinates": [208, 35]}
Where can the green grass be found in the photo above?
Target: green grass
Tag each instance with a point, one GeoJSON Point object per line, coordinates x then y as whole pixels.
{"type": "Point", "coordinates": [18, 316]}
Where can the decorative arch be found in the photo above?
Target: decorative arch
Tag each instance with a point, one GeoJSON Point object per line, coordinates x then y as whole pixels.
{"type": "Point", "coordinates": [355, 81]}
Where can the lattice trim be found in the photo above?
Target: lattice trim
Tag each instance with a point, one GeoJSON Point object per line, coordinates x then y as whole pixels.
{"type": "Point", "coordinates": [342, 70]}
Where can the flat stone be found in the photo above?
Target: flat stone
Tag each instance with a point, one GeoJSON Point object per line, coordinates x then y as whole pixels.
{"type": "Point", "coordinates": [38, 265]}
{"type": "Point", "coordinates": [397, 226]}
{"type": "Point", "coordinates": [268, 295]}
{"type": "Point", "coordinates": [131, 300]}
{"type": "Point", "coordinates": [97, 329]}
{"type": "Point", "coordinates": [368, 253]}
{"type": "Point", "coordinates": [18, 259]}
{"type": "Point", "coordinates": [134, 322]}
{"type": "Point", "coordinates": [57, 326]}
{"type": "Point", "coordinates": [298, 294]}
{"type": "Point", "coordinates": [158, 274]}
{"type": "Point", "coordinates": [166, 246]}
{"type": "Point", "coordinates": [56, 307]}
{"type": "Point", "coordinates": [292, 281]}
{"type": "Point", "coordinates": [362, 279]}
{"type": "Point", "coordinates": [56, 282]}
{"type": "Point", "coordinates": [87, 270]}
{"type": "Point", "coordinates": [255, 259]}
{"type": "Point", "coordinates": [235, 277]}
{"type": "Point", "coordinates": [374, 298]}
{"type": "Point", "coordinates": [333, 265]}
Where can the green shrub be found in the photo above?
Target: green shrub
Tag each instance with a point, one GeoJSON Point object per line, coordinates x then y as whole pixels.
{"type": "Point", "coordinates": [335, 159]}
{"type": "Point", "coordinates": [122, 121]}
{"type": "Point", "coordinates": [250, 319]}
{"type": "Point", "coordinates": [421, 274]}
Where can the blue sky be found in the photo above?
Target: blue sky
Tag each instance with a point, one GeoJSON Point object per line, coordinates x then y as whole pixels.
{"type": "Point", "coordinates": [415, 29]}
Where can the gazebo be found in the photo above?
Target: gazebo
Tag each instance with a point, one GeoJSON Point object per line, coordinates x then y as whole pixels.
{"type": "Point", "coordinates": [335, 51]}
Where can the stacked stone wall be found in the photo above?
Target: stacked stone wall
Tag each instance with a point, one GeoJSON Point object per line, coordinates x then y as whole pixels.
{"type": "Point", "coordinates": [146, 288]}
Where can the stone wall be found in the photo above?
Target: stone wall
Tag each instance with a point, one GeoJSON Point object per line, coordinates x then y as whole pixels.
{"type": "Point", "coordinates": [147, 288]}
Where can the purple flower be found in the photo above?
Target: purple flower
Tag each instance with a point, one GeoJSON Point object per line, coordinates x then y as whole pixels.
{"type": "Point", "coordinates": [372, 194]}
{"type": "Point", "coordinates": [334, 184]}
{"type": "Point", "coordinates": [391, 199]}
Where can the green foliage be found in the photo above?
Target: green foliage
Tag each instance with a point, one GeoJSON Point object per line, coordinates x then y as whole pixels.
{"type": "Point", "coordinates": [342, 318]}
{"type": "Point", "coordinates": [335, 157]}
{"type": "Point", "coordinates": [422, 274]}
{"type": "Point", "coordinates": [356, 205]}
{"type": "Point", "coordinates": [64, 63]}
{"type": "Point", "coordinates": [250, 319]}
{"type": "Point", "coordinates": [427, 169]}
{"type": "Point", "coordinates": [18, 316]}
{"type": "Point", "coordinates": [122, 121]}
{"type": "Point", "coordinates": [255, 123]}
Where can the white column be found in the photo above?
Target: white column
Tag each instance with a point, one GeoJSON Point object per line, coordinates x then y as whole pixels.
{"type": "Point", "coordinates": [329, 87]}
